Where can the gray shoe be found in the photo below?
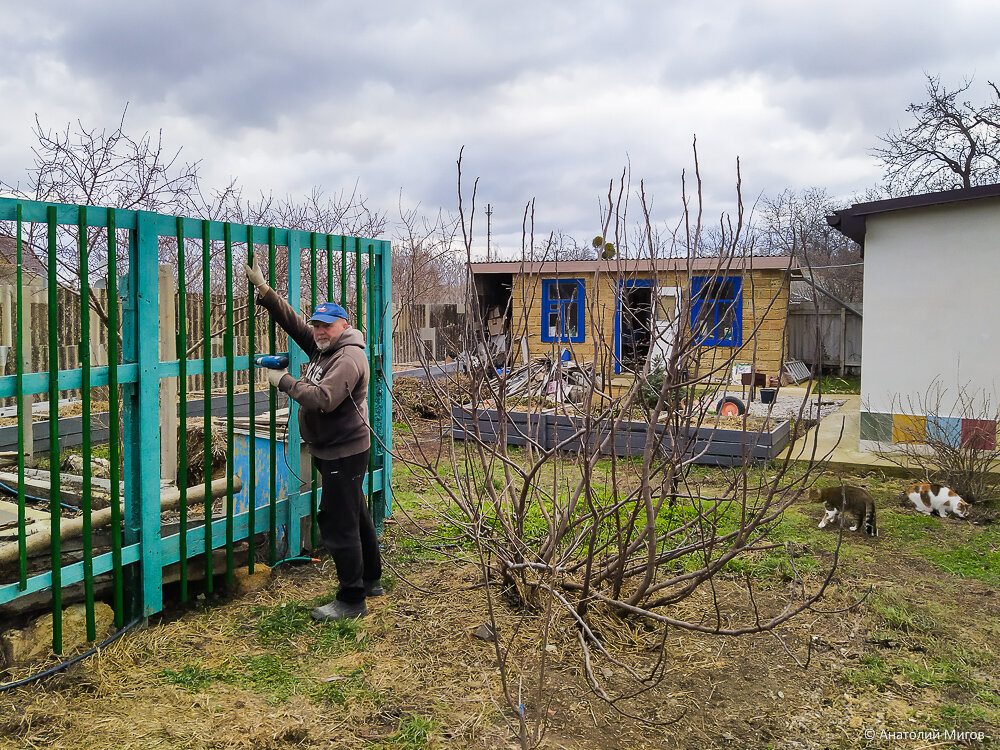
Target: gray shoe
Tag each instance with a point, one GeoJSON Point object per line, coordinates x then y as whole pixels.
{"type": "Point", "coordinates": [338, 610]}
{"type": "Point", "coordinates": [374, 588]}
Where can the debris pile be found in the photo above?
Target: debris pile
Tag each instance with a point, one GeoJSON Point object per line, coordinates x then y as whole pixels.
{"type": "Point", "coordinates": [418, 398]}
{"type": "Point", "coordinates": [73, 463]}
{"type": "Point", "coordinates": [414, 397]}
{"type": "Point", "coordinates": [559, 381]}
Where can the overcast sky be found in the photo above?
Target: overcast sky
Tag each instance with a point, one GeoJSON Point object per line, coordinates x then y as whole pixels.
{"type": "Point", "coordinates": [551, 100]}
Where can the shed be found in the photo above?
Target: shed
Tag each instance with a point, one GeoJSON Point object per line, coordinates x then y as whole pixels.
{"type": "Point", "coordinates": [611, 310]}
{"type": "Point", "coordinates": [30, 264]}
{"type": "Point", "coordinates": [928, 334]}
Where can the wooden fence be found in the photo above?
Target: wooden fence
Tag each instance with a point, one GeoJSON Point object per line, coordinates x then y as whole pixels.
{"type": "Point", "coordinates": [36, 339]}
{"type": "Point", "coordinates": [825, 337]}
{"type": "Point", "coordinates": [434, 331]}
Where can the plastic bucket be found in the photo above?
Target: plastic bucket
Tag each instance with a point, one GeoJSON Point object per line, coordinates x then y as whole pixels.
{"type": "Point", "coordinates": [767, 395]}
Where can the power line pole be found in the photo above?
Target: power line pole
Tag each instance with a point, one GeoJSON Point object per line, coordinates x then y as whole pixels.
{"type": "Point", "coordinates": [489, 216]}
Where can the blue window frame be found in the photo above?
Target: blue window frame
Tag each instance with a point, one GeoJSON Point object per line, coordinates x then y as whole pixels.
{"type": "Point", "coordinates": [717, 310]}
{"type": "Point", "coordinates": [563, 310]}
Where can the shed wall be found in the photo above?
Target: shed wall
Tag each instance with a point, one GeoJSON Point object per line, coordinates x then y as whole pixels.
{"type": "Point", "coordinates": [765, 306]}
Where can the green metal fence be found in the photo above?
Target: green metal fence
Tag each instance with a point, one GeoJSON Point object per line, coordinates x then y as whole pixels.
{"type": "Point", "coordinates": [81, 245]}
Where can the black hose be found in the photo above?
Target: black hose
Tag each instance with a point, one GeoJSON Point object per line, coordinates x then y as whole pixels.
{"type": "Point", "coordinates": [59, 667]}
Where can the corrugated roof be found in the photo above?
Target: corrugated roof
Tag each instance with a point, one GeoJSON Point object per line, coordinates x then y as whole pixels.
{"type": "Point", "coordinates": [628, 266]}
{"type": "Point", "coordinates": [852, 221]}
{"type": "Point", "coordinates": [29, 259]}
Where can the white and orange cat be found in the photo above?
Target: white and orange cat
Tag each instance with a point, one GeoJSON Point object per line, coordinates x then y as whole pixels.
{"type": "Point", "coordinates": [933, 498]}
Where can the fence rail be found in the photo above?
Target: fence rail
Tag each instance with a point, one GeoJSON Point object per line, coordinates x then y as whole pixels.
{"type": "Point", "coordinates": [69, 318]}
{"type": "Point", "coordinates": [139, 348]}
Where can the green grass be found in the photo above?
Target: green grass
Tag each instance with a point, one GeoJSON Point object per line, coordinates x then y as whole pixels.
{"type": "Point", "coordinates": [339, 636]}
{"type": "Point", "coordinates": [912, 533]}
{"type": "Point", "coordinates": [926, 536]}
{"type": "Point", "coordinates": [977, 558]}
{"type": "Point", "coordinates": [833, 384]}
{"type": "Point", "coordinates": [281, 622]}
{"type": "Point", "coordinates": [192, 677]}
{"type": "Point", "coordinates": [898, 614]}
{"type": "Point", "coordinates": [872, 671]}
{"type": "Point", "coordinates": [932, 671]}
{"type": "Point", "coordinates": [934, 540]}
{"type": "Point", "coordinates": [344, 690]}
{"type": "Point", "coordinates": [900, 528]}
{"type": "Point", "coordinates": [912, 646]}
{"type": "Point", "coordinates": [290, 643]}
{"type": "Point", "coordinates": [925, 653]}
{"type": "Point", "coordinates": [266, 674]}
{"type": "Point", "coordinates": [101, 450]}
{"type": "Point", "coordinates": [964, 715]}
{"type": "Point", "coordinates": [269, 675]}
{"type": "Point", "coordinates": [290, 625]}
{"type": "Point", "coordinates": [902, 531]}
{"type": "Point", "coordinates": [414, 733]}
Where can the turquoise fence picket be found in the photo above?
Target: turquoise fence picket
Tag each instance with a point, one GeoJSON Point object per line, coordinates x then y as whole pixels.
{"type": "Point", "coordinates": [129, 552]}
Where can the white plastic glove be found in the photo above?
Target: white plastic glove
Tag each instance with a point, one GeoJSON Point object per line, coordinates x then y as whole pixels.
{"type": "Point", "coordinates": [255, 275]}
{"type": "Point", "coordinates": [274, 376]}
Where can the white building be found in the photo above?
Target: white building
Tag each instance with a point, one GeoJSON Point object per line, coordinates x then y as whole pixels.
{"type": "Point", "coordinates": [930, 335]}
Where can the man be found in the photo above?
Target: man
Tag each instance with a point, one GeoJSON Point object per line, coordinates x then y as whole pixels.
{"type": "Point", "coordinates": [333, 421]}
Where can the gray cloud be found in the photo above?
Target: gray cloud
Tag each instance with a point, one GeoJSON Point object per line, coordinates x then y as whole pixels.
{"type": "Point", "coordinates": [551, 100]}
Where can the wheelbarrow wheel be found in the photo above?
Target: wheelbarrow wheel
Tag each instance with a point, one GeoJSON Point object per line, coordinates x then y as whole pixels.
{"type": "Point", "coordinates": [730, 406]}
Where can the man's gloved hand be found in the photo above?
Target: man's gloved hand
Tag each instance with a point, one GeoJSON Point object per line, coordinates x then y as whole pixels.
{"type": "Point", "coordinates": [274, 376]}
{"type": "Point", "coordinates": [255, 275]}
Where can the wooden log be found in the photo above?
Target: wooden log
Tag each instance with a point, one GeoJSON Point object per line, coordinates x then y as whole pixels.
{"type": "Point", "coordinates": [104, 585]}
{"type": "Point", "coordinates": [72, 527]}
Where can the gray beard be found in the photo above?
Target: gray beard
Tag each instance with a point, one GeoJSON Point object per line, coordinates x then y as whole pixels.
{"type": "Point", "coordinates": [324, 346]}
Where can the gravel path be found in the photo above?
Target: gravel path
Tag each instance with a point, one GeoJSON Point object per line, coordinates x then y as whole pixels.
{"type": "Point", "coordinates": [789, 406]}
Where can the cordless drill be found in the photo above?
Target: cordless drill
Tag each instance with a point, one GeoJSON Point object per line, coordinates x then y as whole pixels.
{"type": "Point", "coordinates": [272, 361]}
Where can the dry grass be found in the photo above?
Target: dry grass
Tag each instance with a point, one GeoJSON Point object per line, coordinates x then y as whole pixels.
{"type": "Point", "coordinates": [257, 673]}
{"type": "Point", "coordinates": [189, 679]}
{"type": "Point", "coordinates": [68, 410]}
{"type": "Point", "coordinates": [196, 449]}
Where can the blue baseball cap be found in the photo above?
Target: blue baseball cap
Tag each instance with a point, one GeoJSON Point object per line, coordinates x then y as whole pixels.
{"type": "Point", "coordinates": [328, 312]}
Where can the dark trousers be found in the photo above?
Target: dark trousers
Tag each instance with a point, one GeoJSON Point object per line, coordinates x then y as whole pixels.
{"type": "Point", "coordinates": [346, 525]}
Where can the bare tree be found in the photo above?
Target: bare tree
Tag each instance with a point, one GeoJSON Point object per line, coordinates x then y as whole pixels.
{"type": "Point", "coordinates": [111, 167]}
{"type": "Point", "coordinates": [108, 168]}
{"type": "Point", "coordinates": [566, 248]}
{"type": "Point", "coordinates": [951, 143]}
{"type": "Point", "coordinates": [102, 167]}
{"type": "Point", "coordinates": [580, 546]}
{"type": "Point", "coordinates": [427, 269]}
{"type": "Point", "coordinates": [425, 261]}
{"type": "Point", "coordinates": [794, 223]}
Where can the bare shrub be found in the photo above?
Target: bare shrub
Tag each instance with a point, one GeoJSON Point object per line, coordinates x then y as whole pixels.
{"type": "Point", "coordinates": [586, 544]}
{"type": "Point", "coordinates": [953, 442]}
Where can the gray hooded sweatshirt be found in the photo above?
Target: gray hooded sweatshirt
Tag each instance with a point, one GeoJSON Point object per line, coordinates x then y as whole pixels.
{"type": "Point", "coordinates": [333, 391]}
